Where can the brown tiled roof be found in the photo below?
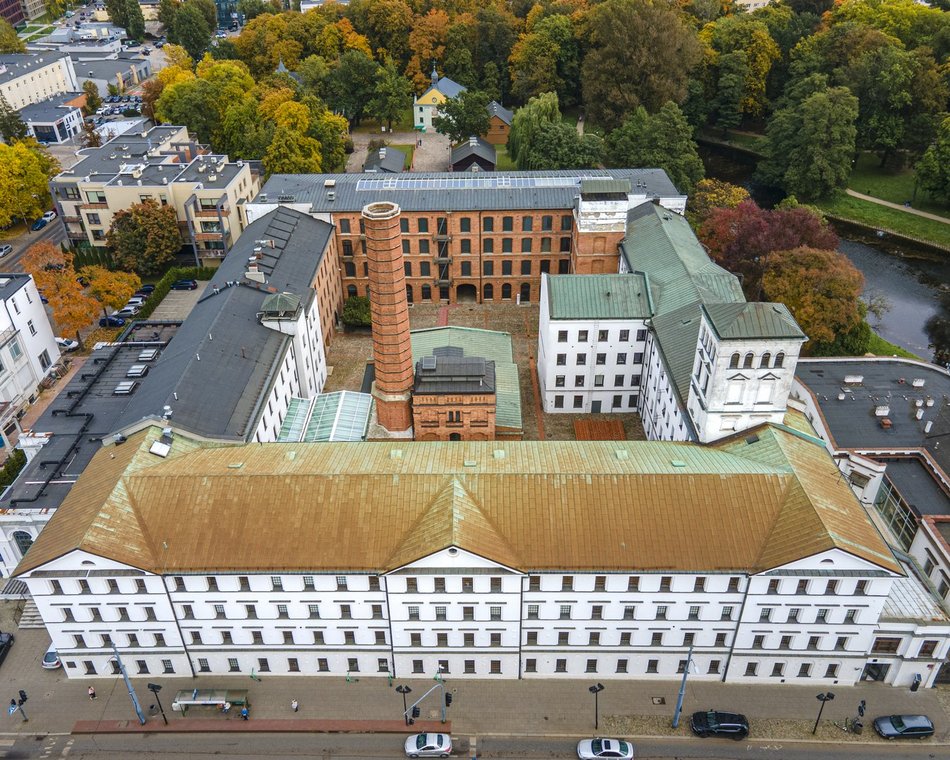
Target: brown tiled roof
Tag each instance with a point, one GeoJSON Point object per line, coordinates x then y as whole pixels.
{"type": "Point", "coordinates": [604, 505]}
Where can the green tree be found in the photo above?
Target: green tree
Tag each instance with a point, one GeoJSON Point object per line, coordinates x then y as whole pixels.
{"type": "Point", "coordinates": [135, 21]}
{"type": "Point", "coordinates": [393, 95]}
{"type": "Point", "coordinates": [9, 42]}
{"type": "Point", "coordinates": [191, 103]}
{"type": "Point", "coordinates": [641, 53]}
{"type": "Point", "coordinates": [191, 31]}
{"type": "Point", "coordinates": [291, 152]}
{"type": "Point", "coordinates": [118, 11]}
{"type": "Point", "coordinates": [351, 85]}
{"type": "Point", "coordinates": [243, 133]}
{"type": "Point", "coordinates": [558, 146]}
{"type": "Point", "coordinates": [313, 72]}
{"type": "Point", "coordinates": [251, 9]}
{"type": "Point", "coordinates": [547, 60]}
{"type": "Point", "coordinates": [463, 116]}
{"type": "Point", "coordinates": [12, 127]}
{"type": "Point", "coordinates": [733, 72]}
{"type": "Point", "coordinates": [93, 99]}
{"type": "Point", "coordinates": [356, 312]}
{"type": "Point", "coordinates": [527, 122]}
{"type": "Point", "coordinates": [167, 11]}
{"type": "Point", "coordinates": [811, 145]}
{"type": "Point", "coordinates": [664, 140]}
{"type": "Point", "coordinates": [144, 237]}
{"type": "Point", "coordinates": [331, 131]}
{"type": "Point", "coordinates": [933, 169]}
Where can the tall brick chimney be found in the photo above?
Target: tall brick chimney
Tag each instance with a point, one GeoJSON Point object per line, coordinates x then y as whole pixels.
{"type": "Point", "coordinates": [392, 348]}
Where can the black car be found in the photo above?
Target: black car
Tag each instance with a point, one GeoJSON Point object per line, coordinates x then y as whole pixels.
{"type": "Point", "coordinates": [904, 726]}
{"type": "Point", "coordinates": [714, 723]}
{"type": "Point", "coordinates": [6, 644]}
{"type": "Point", "coordinates": [185, 285]}
{"type": "Point", "coordinates": [111, 321]}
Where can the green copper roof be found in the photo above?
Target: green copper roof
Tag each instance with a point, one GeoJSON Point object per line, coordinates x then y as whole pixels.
{"type": "Point", "coordinates": [598, 296]}
{"type": "Point", "coordinates": [488, 344]}
{"type": "Point", "coordinates": [753, 320]}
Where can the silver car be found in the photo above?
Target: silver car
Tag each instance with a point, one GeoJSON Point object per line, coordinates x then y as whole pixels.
{"type": "Point", "coordinates": [594, 749]}
{"type": "Point", "coordinates": [429, 745]}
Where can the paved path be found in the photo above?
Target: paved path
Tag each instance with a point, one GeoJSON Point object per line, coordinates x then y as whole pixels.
{"type": "Point", "coordinates": [898, 206]}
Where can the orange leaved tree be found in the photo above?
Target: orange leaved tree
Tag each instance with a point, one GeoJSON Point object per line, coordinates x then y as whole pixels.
{"type": "Point", "coordinates": [55, 277]}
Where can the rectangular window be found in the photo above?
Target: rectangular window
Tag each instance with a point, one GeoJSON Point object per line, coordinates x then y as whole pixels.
{"type": "Point", "coordinates": [530, 666]}
{"type": "Point", "coordinates": [653, 666]}
{"type": "Point", "coordinates": [591, 666]}
{"type": "Point", "coordinates": [778, 669]}
{"type": "Point", "coordinates": [233, 666]}
{"type": "Point", "coordinates": [831, 671]}
{"type": "Point", "coordinates": [661, 612]}
{"type": "Point", "coordinates": [841, 643]}
{"type": "Point", "coordinates": [694, 612]}
{"type": "Point", "coordinates": [621, 666]}
{"type": "Point", "coordinates": [314, 610]}
{"type": "Point", "coordinates": [532, 640]}
{"type": "Point", "coordinates": [656, 639]}
{"type": "Point", "coordinates": [563, 638]}
{"type": "Point", "coordinates": [773, 586]}
{"type": "Point", "coordinates": [533, 610]}
{"type": "Point", "coordinates": [263, 666]}
{"type": "Point", "coordinates": [403, 224]}
{"type": "Point", "coordinates": [488, 224]}
{"type": "Point", "coordinates": [714, 666]}
{"type": "Point", "coordinates": [495, 613]}
{"type": "Point", "coordinates": [506, 267]}
{"type": "Point", "coordinates": [594, 639]}
{"type": "Point", "coordinates": [413, 612]}
{"type": "Point", "coordinates": [203, 666]}
{"type": "Point", "coordinates": [323, 665]}
{"type": "Point", "coordinates": [465, 224]}
{"type": "Point", "coordinates": [565, 612]}
{"type": "Point", "coordinates": [822, 616]}
{"type": "Point", "coordinates": [526, 267]}
{"type": "Point", "coordinates": [793, 614]}
{"type": "Point", "coordinates": [440, 613]}
{"type": "Point", "coordinates": [804, 670]}
{"type": "Point", "coordinates": [927, 648]}
{"type": "Point", "coordinates": [751, 668]}
{"type": "Point", "coordinates": [422, 224]}
{"type": "Point", "coordinates": [765, 614]}
{"type": "Point", "coordinates": [884, 645]}
{"type": "Point", "coordinates": [720, 639]}
{"type": "Point", "coordinates": [470, 666]}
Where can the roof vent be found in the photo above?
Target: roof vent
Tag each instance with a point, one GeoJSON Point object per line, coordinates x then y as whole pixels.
{"type": "Point", "coordinates": [621, 454]}
{"type": "Point", "coordinates": [752, 439]}
{"type": "Point", "coordinates": [498, 453]}
{"type": "Point", "coordinates": [470, 463]}
{"type": "Point", "coordinates": [918, 382]}
{"type": "Point", "coordinates": [677, 463]}
{"type": "Point", "coordinates": [235, 465]}
{"type": "Point", "coordinates": [395, 454]}
{"type": "Point", "coordinates": [329, 183]}
{"type": "Point", "coordinates": [160, 449]}
{"type": "Point", "coordinates": [331, 195]}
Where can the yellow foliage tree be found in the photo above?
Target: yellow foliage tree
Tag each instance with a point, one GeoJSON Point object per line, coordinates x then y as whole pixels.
{"type": "Point", "coordinates": [110, 289]}
{"type": "Point", "coordinates": [712, 193]}
{"type": "Point", "coordinates": [53, 271]}
{"type": "Point", "coordinates": [294, 116]}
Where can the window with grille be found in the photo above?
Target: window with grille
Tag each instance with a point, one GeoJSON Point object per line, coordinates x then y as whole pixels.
{"type": "Point", "coordinates": [417, 666]}
{"type": "Point", "coordinates": [314, 610]}
{"type": "Point", "coordinates": [323, 665]}
{"type": "Point", "coordinates": [533, 610]}
{"type": "Point", "coordinates": [415, 639]}
{"type": "Point", "coordinates": [413, 612]}
{"type": "Point", "coordinates": [666, 583]}
{"type": "Point", "coordinates": [233, 666]}
{"type": "Point", "coordinates": [694, 613]}
{"type": "Point", "coordinates": [440, 613]}
{"type": "Point", "coordinates": [495, 613]}
{"type": "Point", "coordinates": [751, 668]}
{"type": "Point", "coordinates": [714, 666]}
{"type": "Point", "coordinates": [804, 670]}
{"type": "Point", "coordinates": [565, 612]}
{"type": "Point", "coordinates": [532, 640]}
{"type": "Point", "coordinates": [591, 666]}
{"type": "Point", "coordinates": [656, 639]}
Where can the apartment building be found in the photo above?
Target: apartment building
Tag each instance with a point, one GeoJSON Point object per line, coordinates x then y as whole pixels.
{"type": "Point", "coordinates": [28, 348]}
{"type": "Point", "coordinates": [670, 336]}
{"type": "Point", "coordinates": [479, 238]}
{"type": "Point", "coordinates": [475, 560]}
{"type": "Point", "coordinates": [163, 164]}
{"type": "Point", "coordinates": [27, 78]}
{"type": "Point", "coordinates": [56, 119]}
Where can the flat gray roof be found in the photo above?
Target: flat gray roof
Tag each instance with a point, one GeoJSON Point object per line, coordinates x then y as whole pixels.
{"type": "Point", "coordinates": [210, 163]}
{"type": "Point", "coordinates": [50, 110]}
{"type": "Point", "coordinates": [917, 486]}
{"type": "Point", "coordinates": [14, 65]}
{"type": "Point", "coordinates": [451, 191]}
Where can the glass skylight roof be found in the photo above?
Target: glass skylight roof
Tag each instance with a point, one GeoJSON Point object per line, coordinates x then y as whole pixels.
{"type": "Point", "coordinates": [340, 416]}
{"type": "Point", "coordinates": [467, 182]}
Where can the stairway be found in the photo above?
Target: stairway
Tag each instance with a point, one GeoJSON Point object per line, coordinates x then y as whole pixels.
{"type": "Point", "coordinates": [30, 617]}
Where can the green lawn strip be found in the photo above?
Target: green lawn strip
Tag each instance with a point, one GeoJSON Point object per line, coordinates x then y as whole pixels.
{"type": "Point", "coordinates": [14, 230]}
{"type": "Point", "coordinates": [896, 186]}
{"type": "Point", "coordinates": [503, 162]}
{"type": "Point", "coordinates": [408, 149]}
{"type": "Point", "coordinates": [880, 347]}
{"type": "Point", "coordinates": [888, 219]}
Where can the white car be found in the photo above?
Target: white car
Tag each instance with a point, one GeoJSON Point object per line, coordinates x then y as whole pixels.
{"type": "Point", "coordinates": [51, 660]}
{"type": "Point", "coordinates": [65, 344]}
{"type": "Point", "coordinates": [594, 749]}
{"type": "Point", "coordinates": [128, 311]}
{"type": "Point", "coordinates": [429, 745]}
{"type": "Point", "coordinates": [136, 301]}
{"type": "Point", "coordinates": [50, 216]}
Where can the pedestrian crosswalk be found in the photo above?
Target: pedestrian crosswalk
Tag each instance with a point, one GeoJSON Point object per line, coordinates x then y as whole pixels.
{"type": "Point", "coordinates": [53, 747]}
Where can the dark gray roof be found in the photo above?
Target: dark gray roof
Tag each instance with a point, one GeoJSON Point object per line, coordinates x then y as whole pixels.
{"type": "Point", "coordinates": [11, 282]}
{"type": "Point", "coordinates": [448, 191]}
{"type": "Point", "coordinates": [447, 371]}
{"type": "Point", "coordinates": [50, 110]}
{"type": "Point", "coordinates": [474, 146]}
{"type": "Point", "coordinates": [497, 109]}
{"type": "Point", "coordinates": [450, 88]}
{"type": "Point", "coordinates": [222, 362]}
{"type": "Point", "coordinates": [386, 159]}
{"type": "Point", "coordinates": [108, 68]}
{"type": "Point", "coordinates": [124, 150]}
{"type": "Point", "coordinates": [917, 486]}
{"type": "Point", "coordinates": [14, 65]}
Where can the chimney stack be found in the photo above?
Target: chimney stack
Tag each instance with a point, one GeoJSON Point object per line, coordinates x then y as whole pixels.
{"type": "Point", "coordinates": [392, 348]}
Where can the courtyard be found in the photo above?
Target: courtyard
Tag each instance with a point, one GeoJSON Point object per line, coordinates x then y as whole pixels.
{"type": "Point", "coordinates": [351, 349]}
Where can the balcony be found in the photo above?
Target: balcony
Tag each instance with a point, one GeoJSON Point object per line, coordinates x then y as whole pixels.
{"type": "Point", "coordinates": [92, 206]}
{"type": "Point", "coordinates": [212, 236]}
{"type": "Point", "coordinates": [202, 211]}
{"type": "Point", "coordinates": [74, 219]}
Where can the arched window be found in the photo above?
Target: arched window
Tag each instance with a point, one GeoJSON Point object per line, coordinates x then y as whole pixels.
{"type": "Point", "coordinates": [734, 362]}
{"type": "Point", "coordinates": [351, 291]}
{"type": "Point", "coordinates": [749, 358]}
{"type": "Point", "coordinates": [779, 359]}
{"type": "Point", "coordinates": [409, 293]}
{"type": "Point", "coordinates": [525, 292]}
{"type": "Point", "coordinates": [765, 359]}
{"type": "Point", "coordinates": [455, 436]}
{"type": "Point", "coordinates": [488, 292]}
{"type": "Point", "coordinates": [506, 291]}
{"type": "Point", "coordinates": [23, 541]}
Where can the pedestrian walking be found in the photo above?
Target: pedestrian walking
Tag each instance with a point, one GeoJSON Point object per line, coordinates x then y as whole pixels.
{"type": "Point", "coordinates": [92, 692]}
{"type": "Point", "coordinates": [294, 705]}
{"type": "Point", "coordinates": [244, 713]}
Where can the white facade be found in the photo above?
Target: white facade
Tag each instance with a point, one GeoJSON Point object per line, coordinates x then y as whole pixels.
{"type": "Point", "coordinates": [931, 549]}
{"type": "Point", "coordinates": [812, 621]}
{"type": "Point", "coordinates": [29, 78]}
{"type": "Point", "coordinates": [664, 418]}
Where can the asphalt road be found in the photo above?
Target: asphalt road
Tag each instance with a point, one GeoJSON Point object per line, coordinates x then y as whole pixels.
{"type": "Point", "coordinates": [375, 746]}
{"type": "Point", "coordinates": [54, 232]}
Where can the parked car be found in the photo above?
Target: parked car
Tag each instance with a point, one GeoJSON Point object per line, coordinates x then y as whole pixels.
{"type": "Point", "coordinates": [594, 749]}
{"type": "Point", "coordinates": [39, 224]}
{"type": "Point", "coordinates": [6, 644]}
{"type": "Point", "coordinates": [185, 285]}
{"type": "Point", "coordinates": [904, 726]}
{"type": "Point", "coordinates": [65, 344]}
{"type": "Point", "coordinates": [127, 312]}
{"type": "Point", "coordinates": [146, 289]}
{"type": "Point", "coordinates": [50, 216]}
{"type": "Point", "coordinates": [715, 723]}
{"type": "Point", "coordinates": [429, 745]}
{"type": "Point", "coordinates": [51, 659]}
{"type": "Point", "coordinates": [136, 301]}
{"type": "Point", "coordinates": [111, 321]}
{"type": "Point", "coordinates": [5, 250]}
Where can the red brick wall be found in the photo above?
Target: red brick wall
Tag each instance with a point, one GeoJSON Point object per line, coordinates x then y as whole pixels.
{"type": "Point", "coordinates": [475, 419]}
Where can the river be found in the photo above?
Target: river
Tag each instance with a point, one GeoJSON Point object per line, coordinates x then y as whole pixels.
{"type": "Point", "coordinates": [910, 286]}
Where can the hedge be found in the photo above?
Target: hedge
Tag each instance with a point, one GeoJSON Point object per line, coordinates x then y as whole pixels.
{"type": "Point", "coordinates": [12, 467]}
{"type": "Point", "coordinates": [165, 284]}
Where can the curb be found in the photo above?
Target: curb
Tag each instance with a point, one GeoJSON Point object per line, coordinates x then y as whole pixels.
{"type": "Point", "coordinates": [259, 726]}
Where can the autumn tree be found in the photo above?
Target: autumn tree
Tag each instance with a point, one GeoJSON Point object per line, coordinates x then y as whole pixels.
{"type": "Point", "coordinates": [93, 99]}
{"type": "Point", "coordinates": [53, 272]}
{"type": "Point", "coordinates": [741, 238]}
{"type": "Point", "coordinates": [933, 169]}
{"type": "Point", "coordinates": [821, 288]}
{"type": "Point", "coordinates": [291, 152]}
{"type": "Point", "coordinates": [427, 46]}
{"type": "Point", "coordinates": [24, 177]}
{"type": "Point", "coordinates": [547, 59]}
{"type": "Point", "coordinates": [144, 237]}
{"type": "Point", "coordinates": [709, 194]}
{"type": "Point", "coordinates": [12, 127]}
{"type": "Point", "coordinates": [463, 116]}
{"type": "Point", "coordinates": [9, 41]}
{"type": "Point", "coordinates": [110, 289]}
{"type": "Point", "coordinates": [641, 53]}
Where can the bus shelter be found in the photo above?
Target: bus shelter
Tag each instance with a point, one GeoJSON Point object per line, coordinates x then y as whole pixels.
{"type": "Point", "coordinates": [216, 698]}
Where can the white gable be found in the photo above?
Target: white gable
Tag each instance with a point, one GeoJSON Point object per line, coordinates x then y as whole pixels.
{"type": "Point", "coordinates": [831, 561]}
{"type": "Point", "coordinates": [455, 560]}
{"type": "Point", "coordinates": [78, 560]}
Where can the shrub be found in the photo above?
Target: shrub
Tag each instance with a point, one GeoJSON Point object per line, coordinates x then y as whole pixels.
{"type": "Point", "coordinates": [356, 312]}
{"type": "Point", "coordinates": [12, 467]}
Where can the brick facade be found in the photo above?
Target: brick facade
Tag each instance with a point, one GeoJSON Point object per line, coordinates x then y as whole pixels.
{"type": "Point", "coordinates": [457, 417]}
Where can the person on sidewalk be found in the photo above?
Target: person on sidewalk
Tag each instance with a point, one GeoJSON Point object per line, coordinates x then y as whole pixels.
{"type": "Point", "coordinates": [244, 713]}
{"type": "Point", "coordinates": [294, 705]}
{"type": "Point", "coordinates": [92, 692]}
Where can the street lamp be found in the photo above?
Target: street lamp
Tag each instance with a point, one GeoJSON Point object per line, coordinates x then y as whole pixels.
{"type": "Point", "coordinates": [595, 690]}
{"type": "Point", "coordinates": [155, 688]}
{"type": "Point", "coordinates": [826, 697]}
{"type": "Point", "coordinates": [404, 690]}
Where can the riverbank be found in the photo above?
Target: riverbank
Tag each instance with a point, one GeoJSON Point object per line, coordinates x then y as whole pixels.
{"type": "Point", "coordinates": [870, 218]}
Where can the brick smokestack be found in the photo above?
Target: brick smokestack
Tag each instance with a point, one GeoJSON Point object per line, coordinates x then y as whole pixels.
{"type": "Point", "coordinates": [392, 348]}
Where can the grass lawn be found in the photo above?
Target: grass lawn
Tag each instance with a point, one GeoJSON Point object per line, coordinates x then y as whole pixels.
{"type": "Point", "coordinates": [370, 126]}
{"type": "Point", "coordinates": [880, 347]}
{"type": "Point", "coordinates": [14, 230]}
{"type": "Point", "coordinates": [408, 149]}
{"type": "Point", "coordinates": [896, 186]}
{"type": "Point", "coordinates": [885, 218]}
{"type": "Point", "coordinates": [503, 162]}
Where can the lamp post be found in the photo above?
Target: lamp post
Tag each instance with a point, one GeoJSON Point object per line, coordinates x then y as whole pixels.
{"type": "Point", "coordinates": [404, 690]}
{"type": "Point", "coordinates": [826, 697]}
{"type": "Point", "coordinates": [155, 688]}
{"type": "Point", "coordinates": [595, 690]}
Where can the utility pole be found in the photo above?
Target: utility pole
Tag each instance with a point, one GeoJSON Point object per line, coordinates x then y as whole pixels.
{"type": "Point", "coordinates": [128, 685]}
{"type": "Point", "coordinates": [155, 688]}
{"type": "Point", "coordinates": [682, 694]}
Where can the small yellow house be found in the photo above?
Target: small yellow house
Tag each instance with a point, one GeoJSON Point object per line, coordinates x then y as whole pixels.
{"type": "Point", "coordinates": [426, 107]}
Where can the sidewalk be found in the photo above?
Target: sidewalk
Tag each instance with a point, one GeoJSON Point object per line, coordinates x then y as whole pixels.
{"type": "Point", "coordinates": [897, 206]}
